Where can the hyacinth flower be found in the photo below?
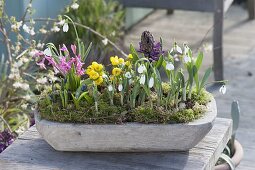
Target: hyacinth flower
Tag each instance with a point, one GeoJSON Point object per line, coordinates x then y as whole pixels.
{"type": "Point", "coordinates": [151, 49]}
{"type": "Point", "coordinates": [6, 138]}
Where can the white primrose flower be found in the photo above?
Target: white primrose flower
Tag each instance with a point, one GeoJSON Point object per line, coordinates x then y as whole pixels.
{"type": "Point", "coordinates": [65, 27]}
{"type": "Point", "coordinates": [151, 82]}
{"type": "Point", "coordinates": [42, 80]}
{"type": "Point", "coordinates": [186, 59]}
{"type": "Point", "coordinates": [223, 89]}
{"type": "Point", "coordinates": [128, 75]}
{"type": "Point", "coordinates": [169, 66]}
{"type": "Point", "coordinates": [55, 29]}
{"type": "Point", "coordinates": [110, 88]}
{"type": "Point", "coordinates": [120, 87]}
{"type": "Point", "coordinates": [105, 41]}
{"type": "Point", "coordinates": [75, 6]}
{"type": "Point", "coordinates": [141, 68]}
{"type": "Point", "coordinates": [47, 52]}
{"type": "Point", "coordinates": [142, 79]}
{"type": "Point", "coordinates": [24, 106]}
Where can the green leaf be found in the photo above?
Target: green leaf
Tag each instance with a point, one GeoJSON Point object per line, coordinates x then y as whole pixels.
{"type": "Point", "coordinates": [199, 60]}
{"type": "Point", "coordinates": [87, 52]}
{"type": "Point", "coordinates": [86, 96]}
{"type": "Point", "coordinates": [159, 62]}
{"type": "Point", "coordinates": [134, 53]}
{"type": "Point", "coordinates": [235, 114]}
{"type": "Point", "coordinates": [205, 78]}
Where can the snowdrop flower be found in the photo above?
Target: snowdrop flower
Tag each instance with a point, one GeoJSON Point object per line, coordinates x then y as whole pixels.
{"type": "Point", "coordinates": [65, 27]}
{"type": "Point", "coordinates": [42, 80]}
{"type": "Point", "coordinates": [130, 81]}
{"type": "Point", "coordinates": [110, 88]}
{"type": "Point", "coordinates": [17, 85]}
{"type": "Point", "coordinates": [61, 22]}
{"type": "Point", "coordinates": [223, 89]}
{"type": "Point", "coordinates": [128, 75]}
{"type": "Point", "coordinates": [105, 41]}
{"type": "Point", "coordinates": [75, 6]}
{"type": "Point", "coordinates": [141, 68]}
{"type": "Point", "coordinates": [186, 59]}
{"type": "Point", "coordinates": [151, 82]}
{"type": "Point", "coordinates": [55, 29]}
{"type": "Point", "coordinates": [186, 49]}
{"type": "Point", "coordinates": [169, 66]}
{"type": "Point", "coordinates": [104, 76]}
{"type": "Point", "coordinates": [25, 86]}
{"type": "Point", "coordinates": [47, 52]}
{"type": "Point", "coordinates": [142, 79]}
{"type": "Point", "coordinates": [178, 49]}
{"type": "Point", "coordinates": [24, 106]}
{"type": "Point", "coordinates": [120, 87]}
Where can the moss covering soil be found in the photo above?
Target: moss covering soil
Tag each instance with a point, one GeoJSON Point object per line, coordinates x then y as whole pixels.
{"type": "Point", "coordinates": [117, 114]}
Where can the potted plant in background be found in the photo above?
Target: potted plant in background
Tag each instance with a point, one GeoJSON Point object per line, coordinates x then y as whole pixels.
{"type": "Point", "coordinates": [233, 153]}
{"type": "Point", "coordinates": [129, 108]}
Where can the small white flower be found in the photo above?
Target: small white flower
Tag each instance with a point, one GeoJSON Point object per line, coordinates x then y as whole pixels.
{"type": "Point", "coordinates": [65, 27]}
{"type": "Point", "coordinates": [55, 29]}
{"type": "Point", "coordinates": [24, 106]}
{"type": "Point", "coordinates": [186, 59]}
{"type": "Point", "coordinates": [40, 45]}
{"type": "Point", "coordinates": [223, 89]}
{"type": "Point", "coordinates": [32, 31]}
{"type": "Point", "coordinates": [110, 88]}
{"type": "Point", "coordinates": [17, 85]}
{"type": "Point", "coordinates": [75, 6]}
{"type": "Point", "coordinates": [141, 68]}
{"type": "Point", "coordinates": [130, 81]}
{"type": "Point", "coordinates": [186, 49]}
{"type": "Point", "coordinates": [128, 75]}
{"type": "Point", "coordinates": [16, 26]}
{"type": "Point", "coordinates": [120, 87]}
{"type": "Point", "coordinates": [151, 82]}
{"type": "Point", "coordinates": [105, 41]}
{"type": "Point", "coordinates": [25, 86]}
{"type": "Point", "coordinates": [42, 80]}
{"type": "Point", "coordinates": [27, 97]}
{"type": "Point", "coordinates": [104, 76]}
{"type": "Point", "coordinates": [178, 49]}
{"type": "Point", "coordinates": [142, 79]}
{"type": "Point", "coordinates": [26, 28]}
{"type": "Point", "coordinates": [47, 52]}
{"type": "Point", "coordinates": [61, 22]}
{"type": "Point", "coordinates": [43, 31]}
{"type": "Point", "coordinates": [169, 66]}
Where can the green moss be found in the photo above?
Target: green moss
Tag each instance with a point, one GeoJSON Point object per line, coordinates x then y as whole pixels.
{"type": "Point", "coordinates": [203, 98]}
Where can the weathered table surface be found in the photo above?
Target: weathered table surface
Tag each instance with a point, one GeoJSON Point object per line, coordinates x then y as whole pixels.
{"type": "Point", "coordinates": [30, 151]}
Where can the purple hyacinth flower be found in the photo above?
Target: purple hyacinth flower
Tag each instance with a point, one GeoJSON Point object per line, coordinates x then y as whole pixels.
{"type": "Point", "coordinates": [6, 138]}
{"type": "Point", "coordinates": [151, 49]}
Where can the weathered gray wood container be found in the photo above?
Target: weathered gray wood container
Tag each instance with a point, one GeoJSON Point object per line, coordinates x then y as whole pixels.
{"type": "Point", "coordinates": [130, 137]}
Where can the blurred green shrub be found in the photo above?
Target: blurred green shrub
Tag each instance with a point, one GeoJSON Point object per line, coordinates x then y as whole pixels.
{"type": "Point", "coordinates": [106, 17]}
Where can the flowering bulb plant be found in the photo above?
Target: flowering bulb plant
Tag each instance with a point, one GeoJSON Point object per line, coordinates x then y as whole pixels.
{"type": "Point", "coordinates": [132, 90]}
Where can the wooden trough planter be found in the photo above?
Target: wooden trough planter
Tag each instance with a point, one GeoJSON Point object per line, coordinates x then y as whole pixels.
{"type": "Point", "coordinates": [130, 137]}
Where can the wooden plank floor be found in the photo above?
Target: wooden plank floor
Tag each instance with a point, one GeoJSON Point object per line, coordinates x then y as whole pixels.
{"type": "Point", "coordinates": [239, 56]}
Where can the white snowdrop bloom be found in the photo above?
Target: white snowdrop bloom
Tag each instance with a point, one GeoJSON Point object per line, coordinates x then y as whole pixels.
{"type": "Point", "coordinates": [25, 86]}
{"type": "Point", "coordinates": [43, 31]}
{"type": "Point", "coordinates": [128, 75]}
{"type": "Point", "coordinates": [178, 49]}
{"type": "Point", "coordinates": [24, 106]}
{"type": "Point", "coordinates": [42, 80]}
{"type": "Point", "coordinates": [151, 82]}
{"type": "Point", "coordinates": [17, 85]}
{"type": "Point", "coordinates": [223, 89]}
{"type": "Point", "coordinates": [105, 41]}
{"type": "Point", "coordinates": [169, 66]}
{"type": "Point", "coordinates": [130, 81]}
{"type": "Point", "coordinates": [65, 27]}
{"type": "Point", "coordinates": [110, 88]}
{"type": "Point", "coordinates": [141, 68]}
{"type": "Point", "coordinates": [47, 52]}
{"type": "Point", "coordinates": [104, 76]}
{"type": "Point", "coordinates": [142, 79]}
{"type": "Point", "coordinates": [27, 97]}
{"type": "Point", "coordinates": [55, 29]}
{"type": "Point", "coordinates": [61, 22]}
{"type": "Point", "coordinates": [186, 49]}
{"type": "Point", "coordinates": [120, 87]}
{"type": "Point", "coordinates": [186, 59]}
{"type": "Point", "coordinates": [75, 6]}
{"type": "Point", "coordinates": [26, 28]}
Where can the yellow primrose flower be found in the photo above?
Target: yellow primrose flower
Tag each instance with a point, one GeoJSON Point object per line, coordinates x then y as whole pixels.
{"type": "Point", "coordinates": [93, 75]}
{"type": "Point", "coordinates": [97, 67]}
{"type": "Point", "coordinates": [114, 60]}
{"type": "Point", "coordinates": [89, 69]}
{"type": "Point", "coordinates": [128, 63]}
{"type": "Point", "coordinates": [116, 71]}
{"type": "Point", "coordinates": [121, 61]}
{"type": "Point", "coordinates": [99, 81]}
{"type": "Point", "coordinates": [130, 56]}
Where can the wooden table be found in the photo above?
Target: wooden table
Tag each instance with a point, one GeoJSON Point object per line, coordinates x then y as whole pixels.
{"type": "Point", "coordinates": [30, 151]}
{"type": "Point", "coordinates": [218, 7]}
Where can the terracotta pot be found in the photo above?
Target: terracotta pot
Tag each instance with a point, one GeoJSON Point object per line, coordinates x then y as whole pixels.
{"type": "Point", "coordinates": [238, 156]}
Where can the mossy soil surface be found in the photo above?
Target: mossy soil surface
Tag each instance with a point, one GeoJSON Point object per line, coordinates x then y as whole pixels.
{"type": "Point", "coordinates": [117, 114]}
